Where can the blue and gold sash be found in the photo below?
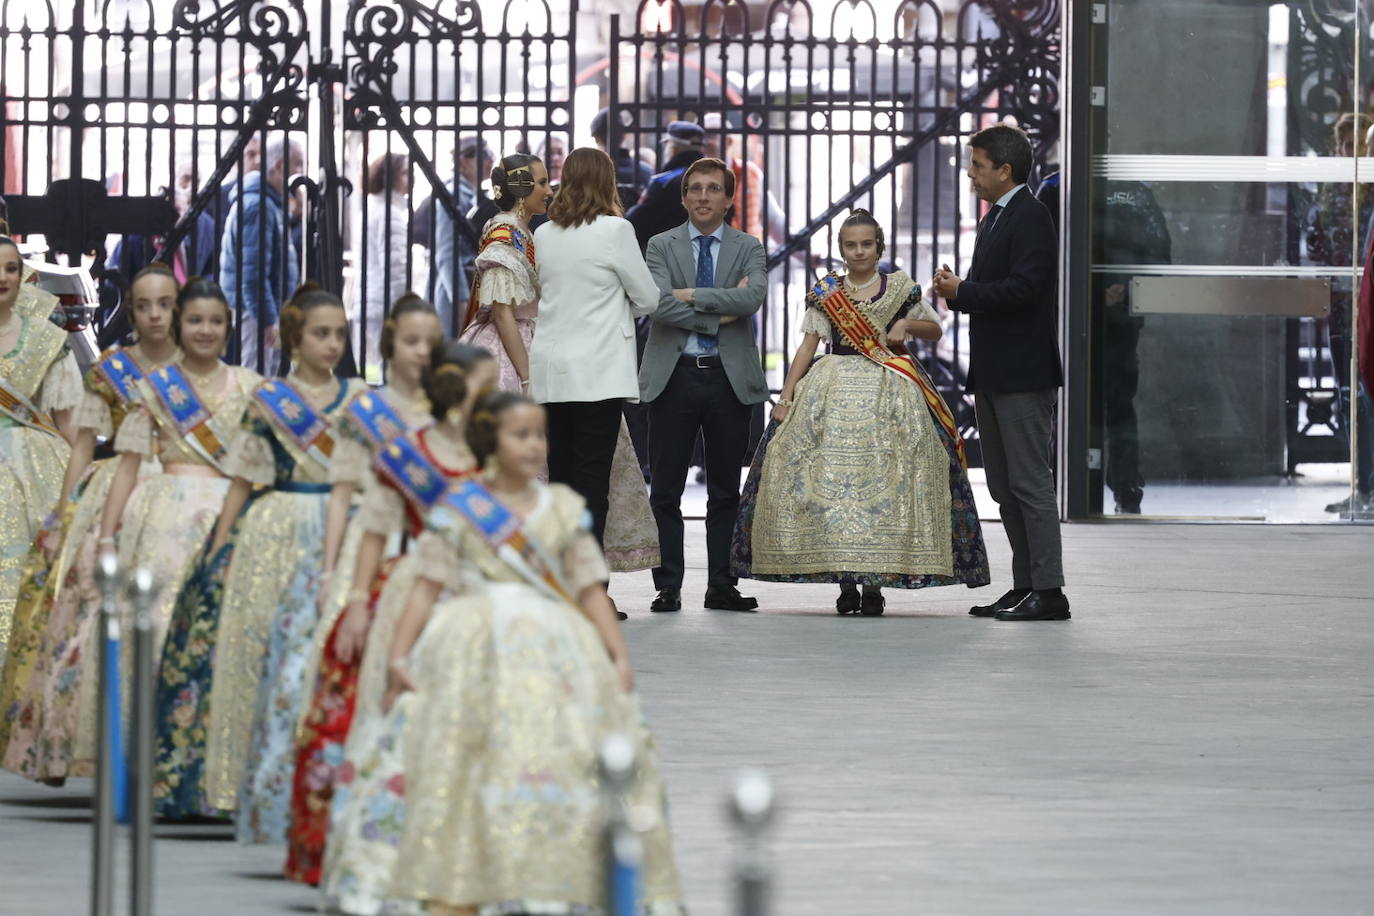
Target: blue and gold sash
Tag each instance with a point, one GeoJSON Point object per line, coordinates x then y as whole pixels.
{"type": "Point", "coordinates": [118, 370]}
{"type": "Point", "coordinates": [375, 420]}
{"type": "Point", "coordinates": [306, 429]}
{"type": "Point", "coordinates": [407, 468]}
{"type": "Point", "coordinates": [503, 532]}
{"type": "Point", "coordinates": [188, 416]}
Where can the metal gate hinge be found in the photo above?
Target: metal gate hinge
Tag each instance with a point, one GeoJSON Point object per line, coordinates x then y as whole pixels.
{"type": "Point", "coordinates": [1099, 14]}
{"type": "Point", "coordinates": [1098, 96]}
{"type": "Point", "coordinates": [1094, 459]}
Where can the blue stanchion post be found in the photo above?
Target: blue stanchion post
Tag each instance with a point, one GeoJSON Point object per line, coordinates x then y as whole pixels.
{"type": "Point", "coordinates": [142, 595]}
{"type": "Point", "coordinates": [107, 651]}
{"type": "Point", "coordinates": [624, 850]}
{"type": "Point", "coordinates": [752, 808]}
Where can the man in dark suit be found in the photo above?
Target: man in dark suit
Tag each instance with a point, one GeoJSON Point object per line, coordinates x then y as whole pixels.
{"type": "Point", "coordinates": [701, 374]}
{"type": "Point", "coordinates": [1014, 370]}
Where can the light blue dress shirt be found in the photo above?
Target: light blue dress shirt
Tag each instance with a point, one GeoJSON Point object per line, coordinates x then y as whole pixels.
{"type": "Point", "coordinates": [694, 346]}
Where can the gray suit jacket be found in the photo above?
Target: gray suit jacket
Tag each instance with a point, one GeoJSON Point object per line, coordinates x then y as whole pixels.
{"type": "Point", "coordinates": [669, 256]}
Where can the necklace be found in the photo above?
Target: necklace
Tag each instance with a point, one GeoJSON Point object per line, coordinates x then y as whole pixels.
{"type": "Point", "coordinates": [314, 391]}
{"type": "Point", "coordinates": [856, 289]}
{"type": "Point", "coordinates": [203, 381]}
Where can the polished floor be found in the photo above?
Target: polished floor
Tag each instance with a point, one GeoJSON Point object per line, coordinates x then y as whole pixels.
{"type": "Point", "coordinates": [1199, 739]}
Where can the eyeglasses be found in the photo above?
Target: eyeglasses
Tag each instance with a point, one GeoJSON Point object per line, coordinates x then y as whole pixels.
{"type": "Point", "coordinates": [705, 189]}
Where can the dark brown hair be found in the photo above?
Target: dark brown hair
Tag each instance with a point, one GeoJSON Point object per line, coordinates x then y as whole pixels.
{"type": "Point", "coordinates": [446, 379]}
{"type": "Point", "coordinates": [126, 301]}
{"type": "Point", "coordinates": [408, 303]}
{"type": "Point", "coordinates": [382, 174]}
{"type": "Point", "coordinates": [587, 189]}
{"type": "Point", "coordinates": [485, 422]}
{"type": "Point", "coordinates": [198, 288]}
{"type": "Point", "coordinates": [1006, 144]}
{"type": "Point", "coordinates": [860, 217]}
{"type": "Point", "coordinates": [512, 181]}
{"type": "Point", "coordinates": [709, 164]}
{"type": "Point", "coordinates": [291, 325]}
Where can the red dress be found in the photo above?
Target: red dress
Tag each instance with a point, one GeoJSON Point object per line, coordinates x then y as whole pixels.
{"type": "Point", "coordinates": [324, 729]}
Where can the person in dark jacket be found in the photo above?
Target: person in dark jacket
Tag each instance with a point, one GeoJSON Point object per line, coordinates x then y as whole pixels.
{"type": "Point", "coordinates": [1014, 368]}
{"type": "Point", "coordinates": [660, 206]}
{"type": "Point", "coordinates": [631, 175]}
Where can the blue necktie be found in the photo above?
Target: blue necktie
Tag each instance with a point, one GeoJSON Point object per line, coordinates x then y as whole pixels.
{"type": "Point", "coordinates": [706, 278]}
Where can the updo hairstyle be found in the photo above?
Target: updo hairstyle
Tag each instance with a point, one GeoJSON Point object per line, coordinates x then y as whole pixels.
{"type": "Point", "coordinates": [486, 421]}
{"type": "Point", "coordinates": [512, 181]}
{"type": "Point", "coordinates": [407, 304]}
{"type": "Point", "coordinates": [860, 217]}
{"type": "Point", "coordinates": [446, 380]}
{"type": "Point", "coordinates": [291, 324]}
{"type": "Point", "coordinates": [198, 288]}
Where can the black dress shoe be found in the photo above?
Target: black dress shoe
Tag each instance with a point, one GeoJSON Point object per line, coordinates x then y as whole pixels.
{"type": "Point", "coordinates": [873, 604]}
{"type": "Point", "coordinates": [729, 599]}
{"type": "Point", "coordinates": [1043, 605]}
{"type": "Point", "coordinates": [1008, 601]}
{"type": "Point", "coordinates": [669, 599]}
{"type": "Point", "coordinates": [848, 602]}
{"type": "Point", "coordinates": [619, 614]}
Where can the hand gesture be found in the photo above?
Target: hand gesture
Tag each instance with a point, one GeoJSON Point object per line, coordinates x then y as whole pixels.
{"type": "Point", "coordinates": [896, 336]}
{"type": "Point", "coordinates": [352, 635]}
{"type": "Point", "coordinates": [780, 411]}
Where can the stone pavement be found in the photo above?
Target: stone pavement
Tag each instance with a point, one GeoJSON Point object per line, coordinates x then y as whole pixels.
{"type": "Point", "coordinates": [1198, 739]}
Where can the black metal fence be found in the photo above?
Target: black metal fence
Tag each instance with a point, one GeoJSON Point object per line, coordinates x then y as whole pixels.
{"type": "Point", "coordinates": [268, 141]}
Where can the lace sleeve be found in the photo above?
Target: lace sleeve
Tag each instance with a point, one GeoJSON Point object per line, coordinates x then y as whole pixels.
{"type": "Point", "coordinates": [93, 413]}
{"type": "Point", "coordinates": [351, 462]}
{"type": "Point", "coordinates": [62, 387]}
{"type": "Point", "coordinates": [816, 322]}
{"type": "Point", "coordinates": [921, 310]}
{"type": "Point", "coordinates": [583, 563]}
{"type": "Point", "coordinates": [499, 284]}
{"type": "Point", "coordinates": [136, 433]}
{"type": "Point", "coordinates": [382, 511]}
{"type": "Point", "coordinates": [250, 455]}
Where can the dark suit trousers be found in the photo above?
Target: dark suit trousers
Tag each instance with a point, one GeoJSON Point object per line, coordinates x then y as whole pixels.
{"type": "Point", "coordinates": [582, 440]}
{"type": "Point", "coordinates": [1014, 433]}
{"type": "Point", "coordinates": [696, 399]}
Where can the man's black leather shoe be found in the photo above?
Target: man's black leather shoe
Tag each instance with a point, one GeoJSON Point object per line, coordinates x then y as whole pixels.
{"type": "Point", "coordinates": [872, 604]}
{"type": "Point", "coordinates": [1008, 601]}
{"type": "Point", "coordinates": [729, 599]}
{"type": "Point", "coordinates": [1046, 605]}
{"type": "Point", "coordinates": [669, 599]}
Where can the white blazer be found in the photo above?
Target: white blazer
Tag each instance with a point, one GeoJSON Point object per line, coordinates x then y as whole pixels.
{"type": "Point", "coordinates": [594, 283]}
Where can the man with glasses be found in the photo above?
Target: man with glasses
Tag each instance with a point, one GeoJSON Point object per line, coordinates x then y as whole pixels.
{"type": "Point", "coordinates": [701, 373]}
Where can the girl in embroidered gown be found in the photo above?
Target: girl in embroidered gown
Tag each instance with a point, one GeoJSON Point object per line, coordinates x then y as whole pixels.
{"type": "Point", "coordinates": [58, 612]}
{"type": "Point", "coordinates": [186, 416]}
{"type": "Point", "coordinates": [502, 314]}
{"type": "Point", "coordinates": [266, 615]}
{"type": "Point", "coordinates": [408, 337]}
{"type": "Point", "coordinates": [368, 804]}
{"type": "Point", "coordinates": [40, 386]}
{"type": "Point", "coordinates": [517, 680]}
{"type": "Point", "coordinates": [862, 481]}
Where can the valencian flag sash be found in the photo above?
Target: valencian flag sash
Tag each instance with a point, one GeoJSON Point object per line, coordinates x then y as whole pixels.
{"type": "Point", "coordinates": [189, 416]}
{"type": "Point", "coordinates": [306, 428]}
{"type": "Point", "coordinates": [503, 532]}
{"type": "Point", "coordinates": [860, 334]}
{"type": "Point", "coordinates": [118, 370]}
{"type": "Point", "coordinates": [14, 405]}
{"type": "Point", "coordinates": [500, 234]}
{"type": "Point", "coordinates": [375, 419]}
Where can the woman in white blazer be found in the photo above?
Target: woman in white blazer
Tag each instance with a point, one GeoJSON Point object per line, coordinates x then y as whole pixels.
{"type": "Point", "coordinates": [594, 283]}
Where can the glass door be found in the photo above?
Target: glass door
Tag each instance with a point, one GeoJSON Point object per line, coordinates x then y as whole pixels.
{"type": "Point", "coordinates": [1230, 215]}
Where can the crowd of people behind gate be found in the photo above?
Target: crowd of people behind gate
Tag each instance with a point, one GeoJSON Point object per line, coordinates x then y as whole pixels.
{"type": "Point", "coordinates": [371, 599]}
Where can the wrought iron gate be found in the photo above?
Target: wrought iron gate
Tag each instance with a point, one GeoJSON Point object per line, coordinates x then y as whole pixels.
{"type": "Point", "coordinates": [141, 102]}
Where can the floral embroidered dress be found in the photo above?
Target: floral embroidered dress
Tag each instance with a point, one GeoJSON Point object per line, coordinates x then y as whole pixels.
{"type": "Point", "coordinates": [372, 421]}
{"type": "Point", "coordinates": [38, 377]}
{"type": "Point", "coordinates": [266, 616]}
{"type": "Point", "coordinates": [515, 693]}
{"type": "Point", "coordinates": [860, 483]}
{"type": "Point", "coordinates": [367, 801]}
{"type": "Point", "coordinates": [59, 606]}
{"type": "Point", "coordinates": [188, 426]}
{"type": "Point", "coordinates": [506, 275]}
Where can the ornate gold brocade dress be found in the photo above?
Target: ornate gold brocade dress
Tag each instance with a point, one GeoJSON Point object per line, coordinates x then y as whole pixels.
{"type": "Point", "coordinates": [515, 693]}
{"type": "Point", "coordinates": [859, 483]}
{"type": "Point", "coordinates": [269, 605]}
{"type": "Point", "coordinates": [506, 275]}
{"type": "Point", "coordinates": [38, 377]}
{"type": "Point", "coordinates": [38, 694]}
{"type": "Point", "coordinates": [170, 515]}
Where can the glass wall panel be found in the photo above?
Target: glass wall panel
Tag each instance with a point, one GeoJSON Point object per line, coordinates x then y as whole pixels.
{"type": "Point", "coordinates": [1229, 222]}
